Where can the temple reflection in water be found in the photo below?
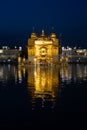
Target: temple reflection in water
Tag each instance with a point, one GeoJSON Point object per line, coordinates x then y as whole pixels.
{"type": "Point", "coordinates": [43, 84]}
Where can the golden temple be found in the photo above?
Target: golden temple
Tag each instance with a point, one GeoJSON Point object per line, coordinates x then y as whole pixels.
{"type": "Point", "coordinates": [43, 49]}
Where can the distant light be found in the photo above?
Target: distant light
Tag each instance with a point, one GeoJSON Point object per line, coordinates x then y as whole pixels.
{"type": "Point", "coordinates": [5, 47]}
{"type": "Point", "coordinates": [20, 48]}
{"type": "Point", "coordinates": [69, 48]}
{"type": "Point", "coordinates": [63, 48]}
{"type": "Point", "coordinates": [1, 51]}
{"type": "Point", "coordinates": [15, 47]}
{"type": "Point", "coordinates": [9, 60]}
{"type": "Point", "coordinates": [75, 47]}
{"type": "Point", "coordinates": [77, 60]}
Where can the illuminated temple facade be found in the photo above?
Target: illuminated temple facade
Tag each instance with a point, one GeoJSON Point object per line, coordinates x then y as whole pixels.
{"type": "Point", "coordinates": [43, 49]}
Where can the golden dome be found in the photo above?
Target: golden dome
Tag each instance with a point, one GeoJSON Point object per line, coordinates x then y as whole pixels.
{"type": "Point", "coordinates": [53, 35]}
{"type": "Point", "coordinates": [33, 35]}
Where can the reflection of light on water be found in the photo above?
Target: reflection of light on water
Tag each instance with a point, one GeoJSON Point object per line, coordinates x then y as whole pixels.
{"type": "Point", "coordinates": [43, 82]}
{"type": "Point", "coordinates": [9, 66]}
{"type": "Point", "coordinates": [7, 73]}
{"type": "Point", "coordinates": [43, 85]}
{"type": "Point", "coordinates": [73, 71]}
{"type": "Point", "coordinates": [15, 74]}
{"type": "Point", "coordinates": [1, 73]}
{"type": "Point", "coordinates": [24, 71]}
{"type": "Point", "coordinates": [64, 72]}
{"type": "Point", "coordinates": [20, 75]}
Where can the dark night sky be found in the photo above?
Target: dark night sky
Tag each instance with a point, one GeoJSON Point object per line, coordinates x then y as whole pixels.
{"type": "Point", "coordinates": [17, 18]}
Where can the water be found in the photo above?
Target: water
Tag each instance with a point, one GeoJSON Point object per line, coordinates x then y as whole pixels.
{"type": "Point", "coordinates": [34, 96]}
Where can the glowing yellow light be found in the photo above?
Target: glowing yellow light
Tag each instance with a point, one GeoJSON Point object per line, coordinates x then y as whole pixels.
{"type": "Point", "coordinates": [40, 42]}
{"type": "Point", "coordinates": [19, 75]}
{"type": "Point", "coordinates": [43, 48]}
{"type": "Point", "coordinates": [45, 82]}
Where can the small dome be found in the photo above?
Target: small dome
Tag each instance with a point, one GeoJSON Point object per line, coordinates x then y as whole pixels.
{"type": "Point", "coordinates": [33, 35]}
{"type": "Point", "coordinates": [42, 34]}
{"type": "Point", "coordinates": [53, 35]}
